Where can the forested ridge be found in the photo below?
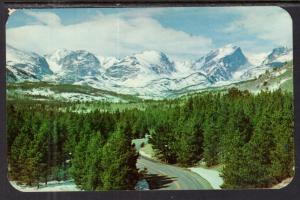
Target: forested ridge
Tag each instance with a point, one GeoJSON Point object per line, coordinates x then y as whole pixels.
{"type": "Point", "coordinates": [250, 134]}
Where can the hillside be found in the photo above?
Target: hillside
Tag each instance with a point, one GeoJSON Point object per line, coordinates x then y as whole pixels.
{"type": "Point", "coordinates": [271, 80]}
{"type": "Point", "coordinates": [63, 92]}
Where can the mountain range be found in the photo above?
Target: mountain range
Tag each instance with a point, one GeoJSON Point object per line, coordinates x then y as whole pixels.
{"type": "Point", "coordinates": [148, 74]}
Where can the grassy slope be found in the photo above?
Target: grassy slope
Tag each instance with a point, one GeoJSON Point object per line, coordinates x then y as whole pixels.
{"type": "Point", "coordinates": [66, 88]}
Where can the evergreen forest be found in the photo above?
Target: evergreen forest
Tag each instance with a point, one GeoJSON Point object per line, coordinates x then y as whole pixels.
{"type": "Point", "coordinates": [251, 135]}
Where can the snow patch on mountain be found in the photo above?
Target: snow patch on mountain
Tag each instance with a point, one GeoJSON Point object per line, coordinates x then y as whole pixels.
{"type": "Point", "coordinates": [14, 74]}
{"type": "Point", "coordinates": [54, 59]}
{"type": "Point", "coordinates": [71, 66]}
{"type": "Point", "coordinates": [278, 57]}
{"type": "Point", "coordinates": [109, 61]}
{"type": "Point", "coordinates": [156, 62]}
{"type": "Point", "coordinates": [219, 64]}
{"type": "Point", "coordinates": [256, 59]}
{"type": "Point", "coordinates": [26, 63]}
{"type": "Point", "coordinates": [147, 64]}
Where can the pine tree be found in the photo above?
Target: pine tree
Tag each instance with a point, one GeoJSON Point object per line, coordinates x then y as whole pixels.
{"type": "Point", "coordinates": [119, 161]}
{"type": "Point", "coordinates": [77, 169]}
{"type": "Point", "coordinates": [189, 143]}
{"type": "Point", "coordinates": [248, 166]}
{"type": "Point", "coordinates": [93, 169]}
{"type": "Point", "coordinates": [211, 140]}
{"type": "Point", "coordinates": [282, 157]}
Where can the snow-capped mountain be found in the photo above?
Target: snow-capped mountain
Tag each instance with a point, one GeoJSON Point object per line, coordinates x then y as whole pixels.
{"type": "Point", "coordinates": [156, 62]}
{"type": "Point", "coordinates": [278, 57]}
{"type": "Point", "coordinates": [71, 66]}
{"type": "Point", "coordinates": [124, 69]}
{"type": "Point", "coordinates": [147, 63]}
{"type": "Point", "coordinates": [22, 65]}
{"type": "Point", "coordinates": [15, 74]}
{"type": "Point", "coordinates": [147, 74]}
{"type": "Point", "coordinates": [221, 63]}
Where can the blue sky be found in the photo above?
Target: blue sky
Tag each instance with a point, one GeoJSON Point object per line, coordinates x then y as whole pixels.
{"type": "Point", "coordinates": [182, 33]}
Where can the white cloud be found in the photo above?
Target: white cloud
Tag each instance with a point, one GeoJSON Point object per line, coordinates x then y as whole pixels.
{"type": "Point", "coordinates": [135, 30]}
{"type": "Point", "coordinates": [268, 23]}
{"type": "Point", "coordinates": [106, 35]}
{"type": "Point", "coordinates": [46, 18]}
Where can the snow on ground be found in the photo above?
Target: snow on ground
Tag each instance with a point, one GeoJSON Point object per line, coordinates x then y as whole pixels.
{"type": "Point", "coordinates": [73, 96]}
{"type": "Point", "coordinates": [142, 185]}
{"type": "Point", "coordinates": [278, 73]}
{"type": "Point", "coordinates": [146, 150]}
{"type": "Point", "coordinates": [52, 186]}
{"type": "Point", "coordinates": [70, 96]}
{"type": "Point", "coordinates": [144, 154]}
{"type": "Point", "coordinates": [40, 92]}
{"type": "Point", "coordinates": [276, 86]}
{"type": "Point", "coordinates": [211, 175]}
{"type": "Point", "coordinates": [283, 183]}
{"type": "Point", "coordinates": [138, 143]}
{"type": "Point", "coordinates": [284, 80]}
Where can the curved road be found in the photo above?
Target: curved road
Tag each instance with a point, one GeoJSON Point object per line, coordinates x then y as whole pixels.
{"type": "Point", "coordinates": [168, 177]}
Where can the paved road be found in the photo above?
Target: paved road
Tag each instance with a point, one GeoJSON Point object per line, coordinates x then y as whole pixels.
{"type": "Point", "coordinates": [168, 177]}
